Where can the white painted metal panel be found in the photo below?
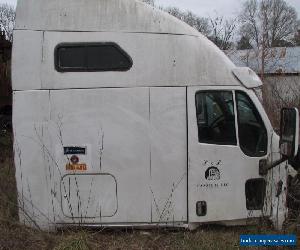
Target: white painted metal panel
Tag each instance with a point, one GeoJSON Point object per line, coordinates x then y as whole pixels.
{"type": "Point", "coordinates": [136, 155]}
{"type": "Point", "coordinates": [158, 60]}
{"type": "Point", "coordinates": [168, 154]}
{"type": "Point", "coordinates": [97, 15]}
{"type": "Point", "coordinates": [115, 123]}
{"type": "Point", "coordinates": [27, 60]}
{"type": "Point", "coordinates": [30, 119]}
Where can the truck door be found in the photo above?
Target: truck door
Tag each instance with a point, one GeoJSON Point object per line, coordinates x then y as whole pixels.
{"type": "Point", "coordinates": [227, 140]}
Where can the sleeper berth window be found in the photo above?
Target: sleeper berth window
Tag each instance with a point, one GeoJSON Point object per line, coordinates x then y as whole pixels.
{"type": "Point", "coordinates": [91, 57]}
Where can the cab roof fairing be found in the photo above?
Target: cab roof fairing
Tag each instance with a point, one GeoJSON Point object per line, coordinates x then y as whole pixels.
{"type": "Point", "coordinates": [120, 16]}
{"type": "Point", "coordinates": [98, 15]}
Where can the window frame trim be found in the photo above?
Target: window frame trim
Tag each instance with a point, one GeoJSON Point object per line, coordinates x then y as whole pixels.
{"type": "Point", "coordinates": [60, 69]}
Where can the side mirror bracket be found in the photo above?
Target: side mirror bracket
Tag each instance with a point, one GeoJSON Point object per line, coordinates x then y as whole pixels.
{"type": "Point", "coordinates": [264, 168]}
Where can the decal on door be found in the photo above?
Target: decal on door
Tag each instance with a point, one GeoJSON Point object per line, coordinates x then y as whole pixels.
{"type": "Point", "coordinates": [212, 174]}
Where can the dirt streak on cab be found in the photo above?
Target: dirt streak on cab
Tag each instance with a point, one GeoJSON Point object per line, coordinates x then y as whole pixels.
{"type": "Point", "coordinates": [164, 128]}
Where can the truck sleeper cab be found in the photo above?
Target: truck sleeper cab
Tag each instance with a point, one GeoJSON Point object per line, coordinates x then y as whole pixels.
{"type": "Point", "coordinates": [125, 116]}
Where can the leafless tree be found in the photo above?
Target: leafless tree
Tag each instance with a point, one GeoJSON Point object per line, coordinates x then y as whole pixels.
{"type": "Point", "coordinates": [219, 30]}
{"type": "Point", "coordinates": [268, 22]}
{"type": "Point", "coordinates": [7, 20]}
{"type": "Point", "coordinates": [199, 23]}
{"type": "Point", "coordinates": [222, 32]}
{"type": "Point", "coordinates": [244, 43]}
{"type": "Point", "coordinates": [174, 11]}
{"type": "Point", "coordinates": [297, 34]}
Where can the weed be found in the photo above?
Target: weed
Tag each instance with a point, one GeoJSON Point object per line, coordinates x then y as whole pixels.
{"type": "Point", "coordinates": [15, 236]}
{"type": "Point", "coordinates": [79, 241]}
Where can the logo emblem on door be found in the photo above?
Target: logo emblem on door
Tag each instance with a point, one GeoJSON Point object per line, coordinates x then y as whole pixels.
{"type": "Point", "coordinates": [212, 174]}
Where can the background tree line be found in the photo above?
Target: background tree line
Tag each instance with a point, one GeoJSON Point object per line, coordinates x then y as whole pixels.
{"type": "Point", "coordinates": [268, 23]}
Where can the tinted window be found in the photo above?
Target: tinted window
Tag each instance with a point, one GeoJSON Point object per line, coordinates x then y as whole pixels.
{"type": "Point", "coordinates": [215, 117]}
{"type": "Point", "coordinates": [252, 132]}
{"type": "Point", "coordinates": [91, 57]}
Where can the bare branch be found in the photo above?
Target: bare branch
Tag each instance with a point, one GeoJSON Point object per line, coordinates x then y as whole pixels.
{"type": "Point", "coordinates": [7, 20]}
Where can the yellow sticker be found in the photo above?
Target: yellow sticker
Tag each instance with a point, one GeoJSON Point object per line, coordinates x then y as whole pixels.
{"type": "Point", "coordinates": [76, 167]}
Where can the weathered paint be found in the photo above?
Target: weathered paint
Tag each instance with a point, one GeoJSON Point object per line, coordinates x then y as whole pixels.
{"type": "Point", "coordinates": [164, 50]}
{"type": "Point", "coordinates": [94, 15]}
{"type": "Point", "coordinates": [142, 164]}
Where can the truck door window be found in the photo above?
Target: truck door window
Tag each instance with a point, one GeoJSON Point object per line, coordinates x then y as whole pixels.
{"type": "Point", "coordinates": [252, 131]}
{"type": "Point", "coordinates": [215, 117]}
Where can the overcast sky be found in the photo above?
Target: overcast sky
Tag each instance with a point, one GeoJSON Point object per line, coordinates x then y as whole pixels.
{"type": "Point", "coordinates": [209, 7]}
{"type": "Point", "coordinates": [203, 7]}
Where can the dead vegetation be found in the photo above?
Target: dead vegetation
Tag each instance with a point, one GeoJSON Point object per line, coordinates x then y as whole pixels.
{"type": "Point", "coordinates": [275, 97]}
{"type": "Point", "coordinates": [15, 236]}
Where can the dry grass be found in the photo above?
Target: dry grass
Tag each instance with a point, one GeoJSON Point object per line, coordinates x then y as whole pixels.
{"type": "Point", "coordinates": [7, 178]}
{"type": "Point", "coordinates": [15, 236]}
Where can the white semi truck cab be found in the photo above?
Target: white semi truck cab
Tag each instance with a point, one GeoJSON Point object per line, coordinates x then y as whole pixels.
{"type": "Point", "coordinates": [125, 116]}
